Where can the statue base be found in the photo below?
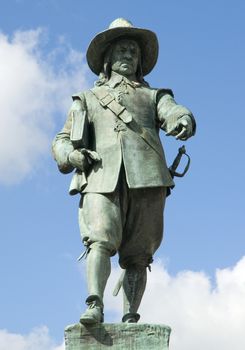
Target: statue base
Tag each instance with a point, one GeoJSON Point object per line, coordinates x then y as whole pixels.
{"type": "Point", "coordinates": [118, 336]}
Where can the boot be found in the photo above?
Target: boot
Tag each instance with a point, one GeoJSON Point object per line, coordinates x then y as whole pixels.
{"type": "Point", "coordinates": [94, 312]}
{"type": "Point", "coordinates": [98, 268]}
{"type": "Point", "coordinates": [134, 283]}
{"type": "Point", "coordinates": [98, 271]}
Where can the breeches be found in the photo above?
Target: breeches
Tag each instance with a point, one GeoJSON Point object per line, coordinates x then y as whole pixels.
{"type": "Point", "coordinates": [127, 221]}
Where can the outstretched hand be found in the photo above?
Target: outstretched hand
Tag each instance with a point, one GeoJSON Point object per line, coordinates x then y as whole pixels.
{"type": "Point", "coordinates": [181, 129]}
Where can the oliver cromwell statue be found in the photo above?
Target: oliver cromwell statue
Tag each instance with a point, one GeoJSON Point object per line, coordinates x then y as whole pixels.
{"type": "Point", "coordinates": [111, 141]}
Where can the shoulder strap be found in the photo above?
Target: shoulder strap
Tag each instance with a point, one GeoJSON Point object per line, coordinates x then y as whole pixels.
{"type": "Point", "coordinates": [107, 100]}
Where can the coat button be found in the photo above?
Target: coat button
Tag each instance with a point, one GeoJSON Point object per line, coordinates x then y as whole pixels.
{"type": "Point", "coordinates": [120, 127]}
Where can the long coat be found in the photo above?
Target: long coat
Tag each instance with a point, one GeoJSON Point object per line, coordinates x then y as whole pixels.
{"type": "Point", "coordinates": [134, 142]}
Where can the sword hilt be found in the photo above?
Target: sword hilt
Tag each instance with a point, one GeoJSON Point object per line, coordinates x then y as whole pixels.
{"type": "Point", "coordinates": [174, 166]}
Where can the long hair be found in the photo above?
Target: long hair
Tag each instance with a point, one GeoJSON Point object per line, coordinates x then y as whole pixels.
{"type": "Point", "coordinates": [105, 74]}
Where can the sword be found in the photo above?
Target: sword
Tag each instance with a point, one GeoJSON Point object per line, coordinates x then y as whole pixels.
{"type": "Point", "coordinates": [174, 166]}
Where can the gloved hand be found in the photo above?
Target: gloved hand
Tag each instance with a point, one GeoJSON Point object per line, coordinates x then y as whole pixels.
{"type": "Point", "coordinates": [181, 129]}
{"type": "Point", "coordinates": [82, 158]}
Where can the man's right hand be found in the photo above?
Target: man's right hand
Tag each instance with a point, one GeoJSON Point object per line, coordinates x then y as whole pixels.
{"type": "Point", "coordinates": [79, 160]}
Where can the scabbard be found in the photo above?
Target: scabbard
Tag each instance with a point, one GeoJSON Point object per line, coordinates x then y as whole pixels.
{"type": "Point", "coordinates": [119, 284]}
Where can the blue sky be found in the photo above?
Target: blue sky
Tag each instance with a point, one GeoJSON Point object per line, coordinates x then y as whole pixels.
{"type": "Point", "coordinates": [42, 62]}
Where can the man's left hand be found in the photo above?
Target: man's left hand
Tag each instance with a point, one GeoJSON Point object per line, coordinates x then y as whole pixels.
{"type": "Point", "coordinates": [181, 129]}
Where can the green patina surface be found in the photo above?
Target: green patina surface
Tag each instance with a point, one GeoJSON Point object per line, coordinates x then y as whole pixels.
{"type": "Point", "coordinates": [117, 337]}
{"type": "Point", "coordinates": [111, 141]}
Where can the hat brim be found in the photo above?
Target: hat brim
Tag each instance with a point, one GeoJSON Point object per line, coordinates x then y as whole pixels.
{"type": "Point", "coordinates": [146, 39]}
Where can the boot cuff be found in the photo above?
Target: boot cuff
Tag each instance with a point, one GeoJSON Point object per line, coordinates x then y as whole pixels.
{"type": "Point", "coordinates": [131, 317]}
{"type": "Point", "coordinates": [94, 299]}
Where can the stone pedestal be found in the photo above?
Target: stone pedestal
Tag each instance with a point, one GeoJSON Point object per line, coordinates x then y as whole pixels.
{"type": "Point", "coordinates": [119, 336]}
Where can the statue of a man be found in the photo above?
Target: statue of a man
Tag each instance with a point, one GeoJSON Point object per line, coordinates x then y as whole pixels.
{"type": "Point", "coordinates": [111, 138]}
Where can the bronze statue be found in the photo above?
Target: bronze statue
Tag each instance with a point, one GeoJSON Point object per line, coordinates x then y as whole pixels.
{"type": "Point", "coordinates": [111, 138]}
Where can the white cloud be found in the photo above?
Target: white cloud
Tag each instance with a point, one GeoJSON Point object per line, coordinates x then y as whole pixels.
{"type": "Point", "coordinates": [38, 339]}
{"type": "Point", "coordinates": [201, 316]}
{"type": "Point", "coordinates": [35, 85]}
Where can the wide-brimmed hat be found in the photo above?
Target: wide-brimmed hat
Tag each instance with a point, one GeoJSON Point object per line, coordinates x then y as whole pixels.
{"type": "Point", "coordinates": [120, 27]}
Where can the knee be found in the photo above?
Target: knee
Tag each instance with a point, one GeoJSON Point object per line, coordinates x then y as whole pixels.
{"type": "Point", "coordinates": [104, 247]}
{"type": "Point", "coordinates": [136, 262]}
